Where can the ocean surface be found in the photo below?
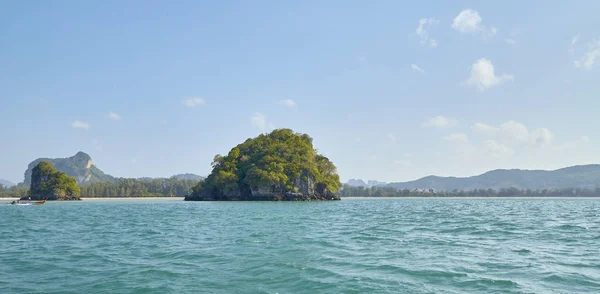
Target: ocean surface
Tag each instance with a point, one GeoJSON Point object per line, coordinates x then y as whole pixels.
{"type": "Point", "coordinates": [413, 245]}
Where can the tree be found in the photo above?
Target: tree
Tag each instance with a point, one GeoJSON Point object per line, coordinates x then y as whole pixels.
{"type": "Point", "coordinates": [280, 163]}
{"type": "Point", "coordinates": [47, 182]}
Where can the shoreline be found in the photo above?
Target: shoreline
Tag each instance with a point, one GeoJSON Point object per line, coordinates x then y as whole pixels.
{"type": "Point", "coordinates": [344, 197]}
{"type": "Point", "coordinates": [109, 199]}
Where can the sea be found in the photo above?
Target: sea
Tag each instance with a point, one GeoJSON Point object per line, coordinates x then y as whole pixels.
{"type": "Point", "coordinates": [356, 245]}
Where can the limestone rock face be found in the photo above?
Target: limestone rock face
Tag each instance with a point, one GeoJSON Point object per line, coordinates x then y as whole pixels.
{"type": "Point", "coordinates": [308, 190]}
{"type": "Point", "coordinates": [78, 166]}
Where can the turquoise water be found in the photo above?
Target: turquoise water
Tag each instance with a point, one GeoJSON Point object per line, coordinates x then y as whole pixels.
{"type": "Point", "coordinates": [348, 246]}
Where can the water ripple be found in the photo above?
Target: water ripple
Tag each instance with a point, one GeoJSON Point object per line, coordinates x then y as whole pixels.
{"type": "Point", "coordinates": [351, 246]}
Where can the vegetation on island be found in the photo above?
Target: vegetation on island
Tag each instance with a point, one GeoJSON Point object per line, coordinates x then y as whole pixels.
{"type": "Point", "coordinates": [161, 187]}
{"type": "Point", "coordinates": [14, 191]}
{"type": "Point", "coordinates": [282, 165]}
{"type": "Point", "coordinates": [49, 183]}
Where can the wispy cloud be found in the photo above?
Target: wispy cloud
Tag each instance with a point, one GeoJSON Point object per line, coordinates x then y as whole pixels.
{"type": "Point", "coordinates": [483, 75]}
{"type": "Point", "coordinates": [416, 68]}
{"type": "Point", "coordinates": [512, 39]}
{"type": "Point", "coordinates": [259, 120]}
{"type": "Point", "coordinates": [392, 138]}
{"type": "Point", "coordinates": [469, 21]}
{"type": "Point", "coordinates": [288, 102]}
{"type": "Point", "coordinates": [80, 125]}
{"type": "Point", "coordinates": [457, 137]}
{"type": "Point", "coordinates": [440, 122]}
{"type": "Point", "coordinates": [193, 102]}
{"type": "Point", "coordinates": [574, 40]}
{"type": "Point", "coordinates": [515, 134]}
{"type": "Point", "coordinates": [573, 144]}
{"type": "Point", "coordinates": [588, 60]}
{"type": "Point", "coordinates": [423, 31]}
{"type": "Point", "coordinates": [113, 116]}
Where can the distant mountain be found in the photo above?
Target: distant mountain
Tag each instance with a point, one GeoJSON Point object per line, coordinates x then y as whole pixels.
{"type": "Point", "coordinates": [188, 177]}
{"type": "Point", "coordinates": [361, 183]}
{"type": "Point", "coordinates": [580, 176]}
{"type": "Point", "coordinates": [78, 166]}
{"type": "Point", "coordinates": [371, 183]}
{"type": "Point", "coordinates": [356, 183]}
{"type": "Point", "coordinates": [6, 183]}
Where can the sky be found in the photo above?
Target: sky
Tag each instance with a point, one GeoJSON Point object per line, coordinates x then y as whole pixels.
{"type": "Point", "coordinates": [389, 90]}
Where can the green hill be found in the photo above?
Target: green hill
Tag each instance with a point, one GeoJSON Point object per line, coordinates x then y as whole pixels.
{"type": "Point", "coordinates": [580, 176]}
{"type": "Point", "coordinates": [282, 165]}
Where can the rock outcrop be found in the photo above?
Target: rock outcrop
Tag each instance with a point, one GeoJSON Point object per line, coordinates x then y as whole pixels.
{"type": "Point", "coordinates": [51, 184]}
{"type": "Point", "coordinates": [280, 166]}
{"type": "Point", "coordinates": [78, 166]}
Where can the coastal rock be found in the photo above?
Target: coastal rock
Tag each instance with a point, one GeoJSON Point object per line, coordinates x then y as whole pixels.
{"type": "Point", "coordinates": [280, 166]}
{"type": "Point", "coordinates": [49, 183]}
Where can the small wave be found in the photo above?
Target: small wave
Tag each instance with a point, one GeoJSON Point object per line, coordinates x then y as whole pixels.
{"type": "Point", "coordinates": [522, 251]}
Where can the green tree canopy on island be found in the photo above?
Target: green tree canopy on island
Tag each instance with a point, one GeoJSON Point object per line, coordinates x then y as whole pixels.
{"type": "Point", "coordinates": [268, 168]}
{"type": "Point", "coordinates": [47, 182]}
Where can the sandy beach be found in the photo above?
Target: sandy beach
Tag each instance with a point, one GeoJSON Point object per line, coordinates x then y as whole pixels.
{"type": "Point", "coordinates": [116, 198]}
{"type": "Point", "coordinates": [132, 198]}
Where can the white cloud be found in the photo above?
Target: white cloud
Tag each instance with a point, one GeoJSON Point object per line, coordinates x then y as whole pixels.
{"type": "Point", "coordinates": [113, 116]}
{"type": "Point", "coordinates": [440, 122]}
{"type": "Point", "coordinates": [372, 157]}
{"type": "Point", "coordinates": [260, 121]}
{"type": "Point", "coordinates": [80, 125]}
{"type": "Point", "coordinates": [288, 102]}
{"type": "Point", "coordinates": [193, 102]}
{"type": "Point", "coordinates": [575, 40]}
{"type": "Point", "coordinates": [469, 21]}
{"type": "Point", "coordinates": [588, 60]}
{"type": "Point", "coordinates": [542, 137]}
{"type": "Point", "coordinates": [510, 41]}
{"type": "Point", "coordinates": [573, 144]}
{"type": "Point", "coordinates": [457, 137]}
{"type": "Point", "coordinates": [495, 149]}
{"type": "Point", "coordinates": [422, 31]}
{"type": "Point", "coordinates": [133, 160]}
{"type": "Point", "coordinates": [515, 134]}
{"type": "Point", "coordinates": [483, 75]}
{"type": "Point", "coordinates": [484, 129]}
{"type": "Point", "coordinates": [416, 68]}
{"type": "Point", "coordinates": [392, 138]}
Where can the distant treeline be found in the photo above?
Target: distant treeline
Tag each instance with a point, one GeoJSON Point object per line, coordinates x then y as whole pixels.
{"type": "Point", "coordinates": [14, 191]}
{"type": "Point", "coordinates": [139, 188]}
{"type": "Point", "coordinates": [384, 191]}
{"type": "Point", "coordinates": [123, 188]}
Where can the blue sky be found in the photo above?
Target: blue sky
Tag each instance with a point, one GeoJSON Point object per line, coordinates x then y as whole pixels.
{"type": "Point", "coordinates": [389, 90]}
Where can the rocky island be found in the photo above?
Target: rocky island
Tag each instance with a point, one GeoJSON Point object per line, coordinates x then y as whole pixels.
{"type": "Point", "coordinates": [280, 166]}
{"type": "Point", "coordinates": [49, 183]}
